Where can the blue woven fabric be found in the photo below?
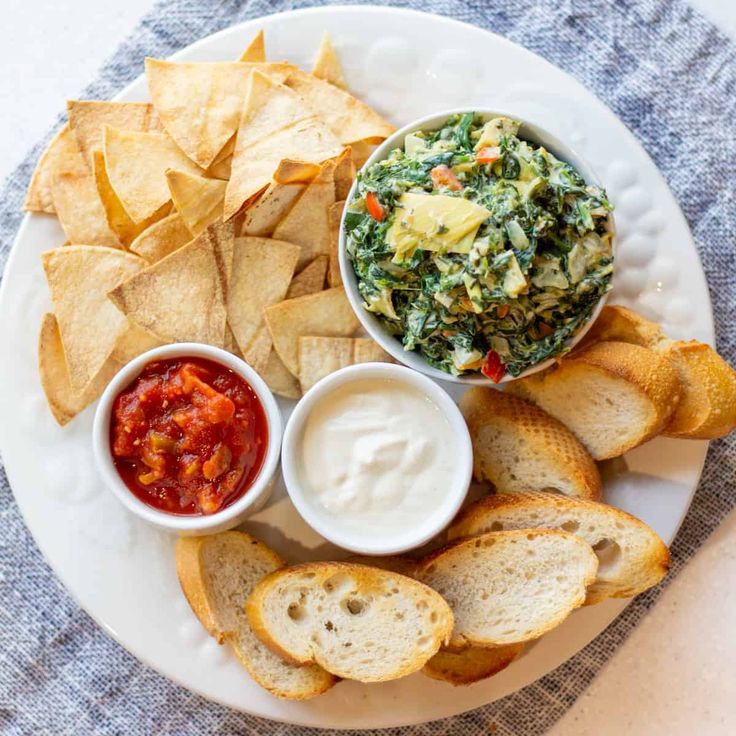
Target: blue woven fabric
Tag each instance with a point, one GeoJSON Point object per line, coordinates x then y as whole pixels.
{"type": "Point", "coordinates": [671, 77]}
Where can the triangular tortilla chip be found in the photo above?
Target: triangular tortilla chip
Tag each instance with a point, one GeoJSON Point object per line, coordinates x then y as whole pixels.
{"type": "Point", "coordinates": [270, 208]}
{"type": "Point", "coordinates": [221, 169]}
{"type": "Point", "coordinates": [259, 349]}
{"type": "Point", "coordinates": [136, 165]}
{"type": "Point", "coordinates": [334, 277]}
{"type": "Point", "coordinates": [80, 210]}
{"type": "Point", "coordinates": [276, 125]}
{"type": "Point", "coordinates": [162, 238]}
{"type": "Point", "coordinates": [79, 278]}
{"type": "Point", "coordinates": [361, 152]}
{"type": "Point", "coordinates": [344, 173]}
{"type": "Point", "coordinates": [88, 118]}
{"type": "Point", "coordinates": [117, 217]}
{"type": "Point", "coordinates": [307, 222]}
{"type": "Point", "coordinates": [63, 402]}
{"type": "Point", "coordinates": [327, 66]}
{"type": "Point", "coordinates": [278, 378]}
{"type": "Point", "coordinates": [327, 313]}
{"type": "Point", "coordinates": [262, 271]}
{"type": "Point", "coordinates": [62, 154]}
{"type": "Point", "coordinates": [132, 342]}
{"type": "Point", "coordinates": [200, 103]}
{"type": "Point", "coordinates": [182, 297]}
{"type": "Point", "coordinates": [231, 344]}
{"type": "Point", "coordinates": [347, 117]}
{"type": "Point", "coordinates": [197, 200]}
{"type": "Point", "coordinates": [256, 50]}
{"type": "Point", "coordinates": [309, 280]}
{"type": "Point", "coordinates": [295, 172]}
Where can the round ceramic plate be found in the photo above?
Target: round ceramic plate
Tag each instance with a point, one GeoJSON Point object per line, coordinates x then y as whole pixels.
{"type": "Point", "coordinates": [122, 571]}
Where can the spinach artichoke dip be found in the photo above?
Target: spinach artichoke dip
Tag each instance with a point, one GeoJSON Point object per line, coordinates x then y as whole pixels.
{"type": "Point", "coordinates": [479, 250]}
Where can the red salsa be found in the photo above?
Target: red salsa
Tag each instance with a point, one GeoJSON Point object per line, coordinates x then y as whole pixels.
{"type": "Point", "coordinates": [188, 436]}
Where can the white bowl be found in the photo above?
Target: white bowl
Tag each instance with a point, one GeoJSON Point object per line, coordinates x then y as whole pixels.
{"type": "Point", "coordinates": [232, 515]}
{"type": "Point", "coordinates": [370, 544]}
{"type": "Point", "coordinates": [373, 325]}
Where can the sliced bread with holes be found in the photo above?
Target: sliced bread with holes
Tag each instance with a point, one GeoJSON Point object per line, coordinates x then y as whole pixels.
{"type": "Point", "coordinates": [619, 324]}
{"type": "Point", "coordinates": [517, 447]}
{"type": "Point", "coordinates": [357, 622]}
{"type": "Point", "coordinates": [510, 587]}
{"type": "Point", "coordinates": [217, 573]}
{"type": "Point", "coordinates": [614, 396]}
{"type": "Point", "coordinates": [631, 556]}
{"type": "Point", "coordinates": [472, 664]}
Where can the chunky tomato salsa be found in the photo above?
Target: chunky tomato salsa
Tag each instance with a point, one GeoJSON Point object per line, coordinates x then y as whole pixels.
{"type": "Point", "coordinates": [188, 436]}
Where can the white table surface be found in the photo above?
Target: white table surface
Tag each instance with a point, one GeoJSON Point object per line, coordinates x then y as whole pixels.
{"type": "Point", "coordinates": [676, 674]}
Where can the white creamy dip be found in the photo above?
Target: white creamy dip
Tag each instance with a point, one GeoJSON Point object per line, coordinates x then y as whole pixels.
{"type": "Point", "coordinates": [377, 455]}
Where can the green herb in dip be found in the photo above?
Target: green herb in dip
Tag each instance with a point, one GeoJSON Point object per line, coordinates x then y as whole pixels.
{"type": "Point", "coordinates": [477, 249]}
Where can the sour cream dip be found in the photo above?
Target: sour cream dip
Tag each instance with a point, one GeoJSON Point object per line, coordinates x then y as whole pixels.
{"type": "Point", "coordinates": [376, 459]}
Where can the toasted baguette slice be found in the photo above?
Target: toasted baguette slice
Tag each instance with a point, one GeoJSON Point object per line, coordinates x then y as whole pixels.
{"type": "Point", "coordinates": [707, 408]}
{"type": "Point", "coordinates": [631, 557]}
{"type": "Point", "coordinates": [510, 587]}
{"type": "Point", "coordinates": [614, 396]}
{"type": "Point", "coordinates": [472, 664]}
{"type": "Point", "coordinates": [357, 622]}
{"type": "Point", "coordinates": [217, 573]}
{"type": "Point", "coordinates": [618, 324]}
{"type": "Point", "coordinates": [519, 447]}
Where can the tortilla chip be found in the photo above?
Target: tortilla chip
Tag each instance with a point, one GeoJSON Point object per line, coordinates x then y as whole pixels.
{"type": "Point", "coordinates": [132, 342]}
{"type": "Point", "coordinates": [62, 154]}
{"type": "Point", "coordinates": [307, 223]}
{"type": "Point", "coordinates": [181, 298]}
{"type": "Point", "coordinates": [276, 124]}
{"type": "Point", "coordinates": [88, 118]}
{"type": "Point", "coordinates": [344, 173]}
{"type": "Point", "coordinates": [295, 172]}
{"type": "Point", "coordinates": [270, 208]}
{"type": "Point", "coordinates": [320, 356]}
{"type": "Point", "coordinates": [262, 271]}
{"type": "Point", "coordinates": [198, 200]}
{"type": "Point", "coordinates": [327, 313]}
{"type": "Point", "coordinates": [136, 165]}
{"type": "Point", "coordinates": [334, 216]}
{"type": "Point", "coordinates": [256, 50]}
{"type": "Point", "coordinates": [162, 238]}
{"type": "Point", "coordinates": [278, 378]}
{"type": "Point", "coordinates": [230, 343]}
{"type": "Point", "coordinates": [63, 402]}
{"type": "Point", "coordinates": [81, 212]}
{"type": "Point", "coordinates": [361, 152]}
{"type": "Point", "coordinates": [79, 278]}
{"type": "Point", "coordinates": [117, 218]}
{"type": "Point", "coordinates": [220, 169]}
{"type": "Point", "coordinates": [310, 280]}
{"type": "Point", "coordinates": [327, 66]}
{"type": "Point", "coordinates": [200, 103]}
{"type": "Point", "coordinates": [347, 117]}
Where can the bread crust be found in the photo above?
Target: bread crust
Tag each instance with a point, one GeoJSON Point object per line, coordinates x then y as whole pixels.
{"type": "Point", "coordinates": [619, 324]}
{"type": "Point", "coordinates": [472, 664]}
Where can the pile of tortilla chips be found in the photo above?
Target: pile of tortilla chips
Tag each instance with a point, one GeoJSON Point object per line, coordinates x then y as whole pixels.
{"type": "Point", "coordinates": [209, 215]}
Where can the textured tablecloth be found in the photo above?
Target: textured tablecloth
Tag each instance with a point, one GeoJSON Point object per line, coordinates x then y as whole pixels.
{"type": "Point", "coordinates": [671, 77]}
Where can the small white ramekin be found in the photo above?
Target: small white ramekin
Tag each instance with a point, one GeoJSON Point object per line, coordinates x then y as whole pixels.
{"type": "Point", "coordinates": [374, 327]}
{"type": "Point", "coordinates": [370, 543]}
{"type": "Point", "coordinates": [252, 500]}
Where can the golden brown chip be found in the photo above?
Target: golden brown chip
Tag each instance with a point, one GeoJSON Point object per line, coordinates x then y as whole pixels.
{"type": "Point", "coordinates": [117, 218]}
{"type": "Point", "coordinates": [327, 313]}
{"type": "Point", "coordinates": [221, 169]}
{"type": "Point", "coordinates": [134, 341]}
{"type": "Point", "coordinates": [278, 378]}
{"type": "Point", "coordinates": [276, 124]}
{"type": "Point", "coordinates": [306, 223]}
{"type": "Point", "coordinates": [262, 271]}
{"type": "Point", "coordinates": [88, 118]}
{"type": "Point", "coordinates": [256, 50]}
{"type": "Point", "coordinates": [366, 350]}
{"type": "Point", "coordinates": [334, 277]}
{"type": "Point", "coordinates": [197, 200]}
{"type": "Point", "coordinates": [80, 210]}
{"type": "Point", "coordinates": [62, 154]}
{"type": "Point", "coordinates": [347, 117]}
{"type": "Point", "coordinates": [162, 238]}
{"type": "Point", "coordinates": [327, 66]}
{"type": "Point", "coordinates": [361, 152]}
{"type": "Point", "coordinates": [64, 403]}
{"type": "Point", "coordinates": [181, 298]}
{"type": "Point", "coordinates": [230, 343]}
{"type": "Point", "coordinates": [344, 173]}
{"type": "Point", "coordinates": [79, 278]}
{"type": "Point", "coordinates": [200, 103]}
{"type": "Point", "coordinates": [136, 165]}
{"type": "Point", "coordinates": [295, 172]}
{"type": "Point", "coordinates": [309, 280]}
{"type": "Point", "coordinates": [270, 208]}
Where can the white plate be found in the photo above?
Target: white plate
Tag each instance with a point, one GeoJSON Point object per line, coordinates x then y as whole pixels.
{"type": "Point", "coordinates": [407, 64]}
